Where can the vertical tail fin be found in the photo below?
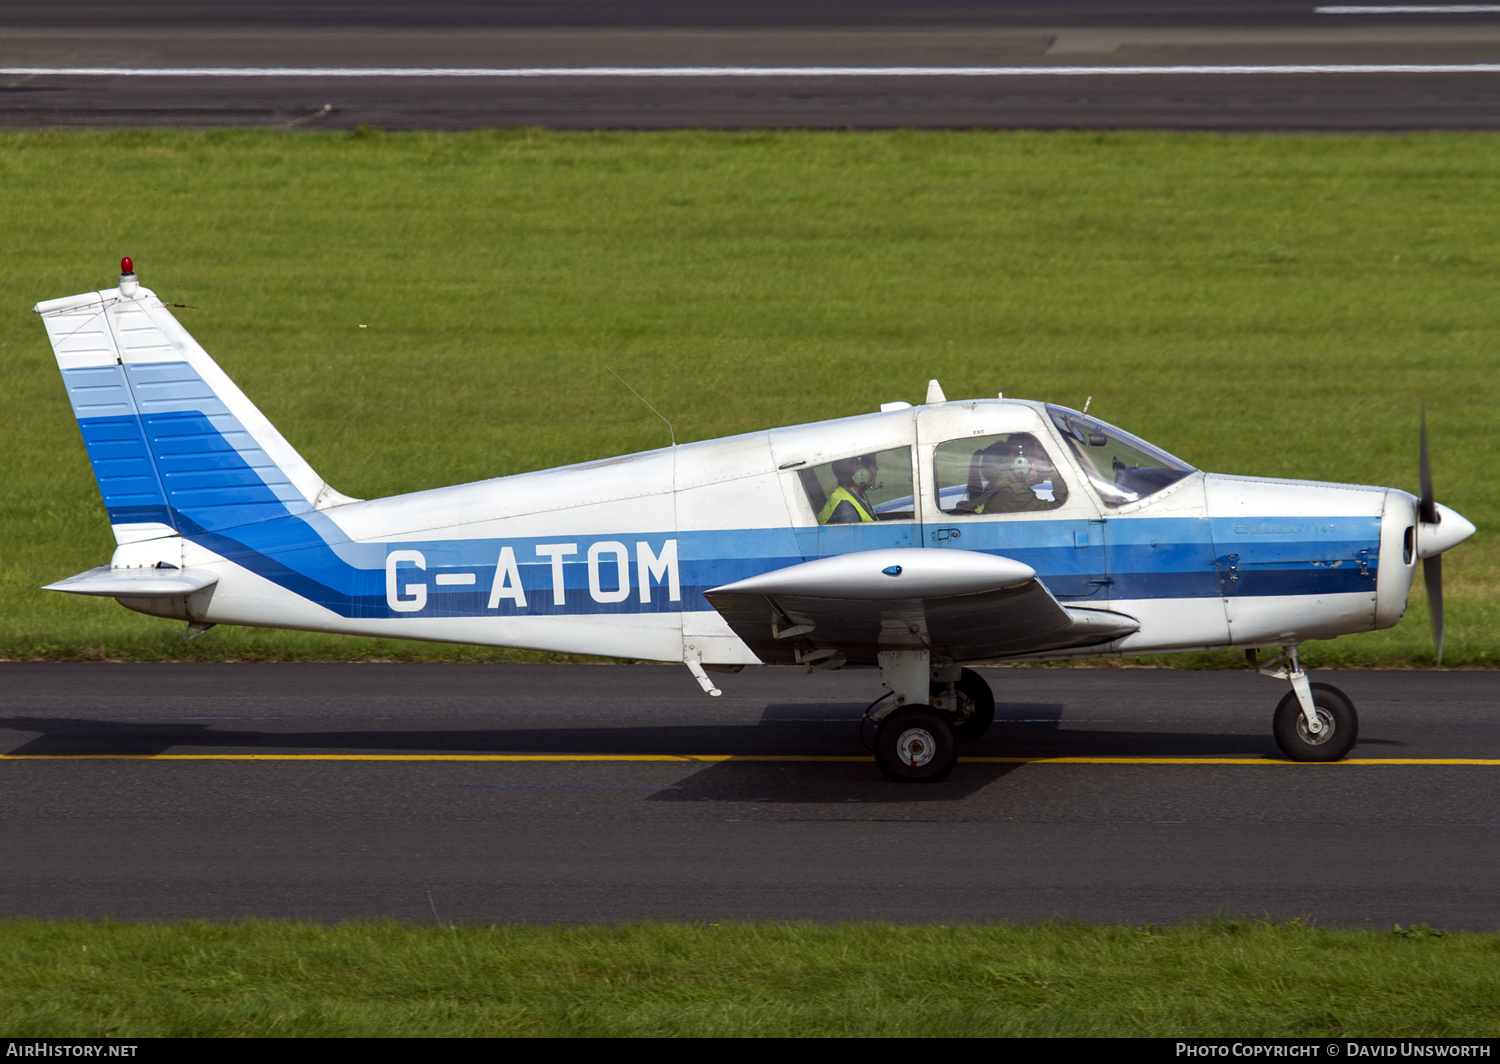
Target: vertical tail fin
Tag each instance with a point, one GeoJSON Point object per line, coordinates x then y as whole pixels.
{"type": "Point", "coordinates": [175, 445]}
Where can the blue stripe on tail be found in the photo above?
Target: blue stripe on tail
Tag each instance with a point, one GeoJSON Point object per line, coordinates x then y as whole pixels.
{"type": "Point", "coordinates": [162, 443]}
{"type": "Point", "coordinates": [117, 447]}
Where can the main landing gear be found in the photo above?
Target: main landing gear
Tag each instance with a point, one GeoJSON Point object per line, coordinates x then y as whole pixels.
{"type": "Point", "coordinates": [969, 703]}
{"type": "Point", "coordinates": [915, 745]}
{"type": "Point", "coordinates": [1315, 721]}
{"type": "Point", "coordinates": [916, 741]}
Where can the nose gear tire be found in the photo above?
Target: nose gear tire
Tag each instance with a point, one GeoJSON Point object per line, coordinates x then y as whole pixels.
{"type": "Point", "coordinates": [915, 745]}
{"type": "Point", "coordinates": [1336, 714]}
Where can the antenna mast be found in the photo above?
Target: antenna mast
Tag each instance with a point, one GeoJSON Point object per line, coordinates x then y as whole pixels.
{"type": "Point", "coordinates": [649, 407]}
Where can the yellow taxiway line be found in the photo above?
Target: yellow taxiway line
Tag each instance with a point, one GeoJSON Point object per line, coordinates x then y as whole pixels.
{"type": "Point", "coordinates": [740, 758]}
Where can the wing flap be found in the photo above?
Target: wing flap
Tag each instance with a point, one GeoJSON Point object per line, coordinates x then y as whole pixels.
{"type": "Point", "coordinates": [962, 605]}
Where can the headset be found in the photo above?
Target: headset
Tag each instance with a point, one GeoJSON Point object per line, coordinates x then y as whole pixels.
{"type": "Point", "coordinates": [860, 471]}
{"type": "Point", "coordinates": [995, 458]}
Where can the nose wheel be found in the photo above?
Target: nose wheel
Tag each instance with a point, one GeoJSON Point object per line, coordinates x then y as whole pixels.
{"type": "Point", "coordinates": [915, 745]}
{"type": "Point", "coordinates": [1338, 725]}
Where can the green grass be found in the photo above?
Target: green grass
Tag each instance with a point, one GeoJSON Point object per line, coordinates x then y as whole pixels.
{"type": "Point", "coordinates": [1216, 978]}
{"type": "Point", "coordinates": [1272, 305]}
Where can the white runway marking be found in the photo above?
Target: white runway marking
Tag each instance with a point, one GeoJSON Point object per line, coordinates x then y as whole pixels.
{"type": "Point", "coordinates": [1409, 9]}
{"type": "Point", "coordinates": [747, 72]}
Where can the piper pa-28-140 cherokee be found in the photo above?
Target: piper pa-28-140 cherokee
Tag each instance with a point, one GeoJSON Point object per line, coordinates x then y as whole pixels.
{"type": "Point", "coordinates": [917, 540]}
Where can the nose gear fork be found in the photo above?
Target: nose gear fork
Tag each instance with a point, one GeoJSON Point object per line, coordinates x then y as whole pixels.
{"type": "Point", "coordinates": [1291, 669]}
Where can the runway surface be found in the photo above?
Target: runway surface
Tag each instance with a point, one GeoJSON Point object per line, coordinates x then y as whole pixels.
{"type": "Point", "coordinates": [37, 40]}
{"type": "Point", "coordinates": [603, 793]}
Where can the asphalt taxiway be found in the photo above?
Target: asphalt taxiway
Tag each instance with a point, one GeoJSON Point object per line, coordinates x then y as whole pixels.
{"type": "Point", "coordinates": [1198, 66]}
{"type": "Point", "coordinates": [586, 793]}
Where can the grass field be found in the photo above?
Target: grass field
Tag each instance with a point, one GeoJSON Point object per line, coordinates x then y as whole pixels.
{"type": "Point", "coordinates": [1272, 305]}
{"type": "Point", "coordinates": [1221, 978]}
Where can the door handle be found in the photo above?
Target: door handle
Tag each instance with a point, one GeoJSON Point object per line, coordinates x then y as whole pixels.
{"type": "Point", "coordinates": [940, 534]}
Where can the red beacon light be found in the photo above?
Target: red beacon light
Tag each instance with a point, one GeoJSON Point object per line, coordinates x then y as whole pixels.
{"type": "Point", "coordinates": [129, 286]}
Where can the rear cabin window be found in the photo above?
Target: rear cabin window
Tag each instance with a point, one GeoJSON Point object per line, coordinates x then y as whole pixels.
{"type": "Point", "coordinates": [1006, 474]}
{"type": "Point", "coordinates": [875, 486]}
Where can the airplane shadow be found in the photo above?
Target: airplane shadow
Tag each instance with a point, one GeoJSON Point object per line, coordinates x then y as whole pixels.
{"type": "Point", "coordinates": [1020, 730]}
{"type": "Point", "coordinates": [821, 783]}
{"type": "Point", "coordinates": [785, 730]}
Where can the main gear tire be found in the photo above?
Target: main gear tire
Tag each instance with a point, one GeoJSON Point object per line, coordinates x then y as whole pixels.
{"type": "Point", "coordinates": [915, 745]}
{"type": "Point", "coordinates": [1335, 712]}
{"type": "Point", "coordinates": [976, 706]}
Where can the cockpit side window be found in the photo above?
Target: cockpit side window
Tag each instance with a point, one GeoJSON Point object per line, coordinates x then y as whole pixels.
{"type": "Point", "coordinates": [1122, 467]}
{"type": "Point", "coordinates": [1013, 473]}
{"type": "Point", "coordinates": [876, 486]}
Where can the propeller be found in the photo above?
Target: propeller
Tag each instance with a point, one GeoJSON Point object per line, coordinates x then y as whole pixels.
{"type": "Point", "coordinates": [1432, 568]}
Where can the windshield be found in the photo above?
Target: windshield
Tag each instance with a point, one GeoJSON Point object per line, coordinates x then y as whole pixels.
{"type": "Point", "coordinates": [1121, 467]}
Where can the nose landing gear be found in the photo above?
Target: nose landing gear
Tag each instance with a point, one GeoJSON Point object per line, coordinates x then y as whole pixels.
{"type": "Point", "coordinates": [1315, 721]}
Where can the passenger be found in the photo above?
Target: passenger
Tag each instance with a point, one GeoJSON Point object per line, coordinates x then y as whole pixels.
{"type": "Point", "coordinates": [847, 504]}
{"type": "Point", "coordinates": [1008, 470]}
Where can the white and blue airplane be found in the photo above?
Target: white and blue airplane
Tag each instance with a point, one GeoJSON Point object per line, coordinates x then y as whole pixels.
{"type": "Point", "coordinates": [919, 540]}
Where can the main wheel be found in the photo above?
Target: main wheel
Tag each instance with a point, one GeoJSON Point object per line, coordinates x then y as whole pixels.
{"type": "Point", "coordinates": [915, 745]}
{"type": "Point", "coordinates": [976, 706]}
{"type": "Point", "coordinates": [1336, 714]}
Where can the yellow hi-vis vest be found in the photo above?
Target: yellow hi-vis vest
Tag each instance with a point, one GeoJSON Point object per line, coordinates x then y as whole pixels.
{"type": "Point", "coordinates": [843, 494]}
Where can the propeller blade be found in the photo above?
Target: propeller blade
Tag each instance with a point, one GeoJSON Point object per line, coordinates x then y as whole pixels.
{"type": "Point", "coordinates": [1432, 576]}
{"type": "Point", "coordinates": [1427, 509]}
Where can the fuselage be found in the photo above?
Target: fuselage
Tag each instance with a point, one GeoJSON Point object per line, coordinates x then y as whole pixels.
{"type": "Point", "coordinates": [613, 557]}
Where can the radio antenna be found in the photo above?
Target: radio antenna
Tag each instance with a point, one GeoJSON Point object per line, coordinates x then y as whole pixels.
{"type": "Point", "coordinates": [649, 407]}
{"type": "Point", "coordinates": [1090, 399]}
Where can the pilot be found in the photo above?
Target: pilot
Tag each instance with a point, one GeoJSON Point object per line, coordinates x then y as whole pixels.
{"type": "Point", "coordinates": [847, 504]}
{"type": "Point", "coordinates": [1008, 470]}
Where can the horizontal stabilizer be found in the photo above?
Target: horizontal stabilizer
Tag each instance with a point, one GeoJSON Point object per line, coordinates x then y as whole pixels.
{"type": "Point", "coordinates": [136, 583]}
{"type": "Point", "coordinates": [963, 605]}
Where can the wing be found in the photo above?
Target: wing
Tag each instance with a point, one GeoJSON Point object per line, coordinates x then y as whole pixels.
{"type": "Point", "coordinates": [960, 604]}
